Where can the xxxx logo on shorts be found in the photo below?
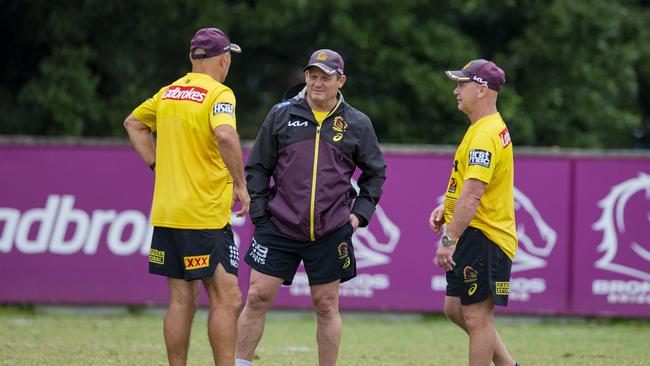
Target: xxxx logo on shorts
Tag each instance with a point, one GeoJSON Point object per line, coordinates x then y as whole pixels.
{"type": "Point", "coordinates": [470, 274]}
{"type": "Point", "coordinates": [339, 126]}
{"type": "Point", "coordinates": [195, 262]}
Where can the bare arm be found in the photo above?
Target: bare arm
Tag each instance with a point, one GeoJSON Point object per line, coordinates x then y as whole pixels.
{"type": "Point", "coordinates": [230, 149]}
{"type": "Point", "coordinates": [466, 206]}
{"type": "Point", "coordinates": [140, 137]}
{"type": "Point", "coordinates": [437, 219]}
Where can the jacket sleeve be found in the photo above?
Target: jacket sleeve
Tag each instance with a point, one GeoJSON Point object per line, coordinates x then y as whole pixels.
{"type": "Point", "coordinates": [259, 168]}
{"type": "Point", "coordinates": [373, 174]}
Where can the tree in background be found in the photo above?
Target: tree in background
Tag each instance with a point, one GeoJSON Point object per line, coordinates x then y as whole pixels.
{"type": "Point", "coordinates": [578, 72]}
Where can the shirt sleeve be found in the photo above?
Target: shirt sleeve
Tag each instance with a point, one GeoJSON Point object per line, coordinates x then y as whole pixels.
{"type": "Point", "coordinates": [223, 110]}
{"type": "Point", "coordinates": [482, 158]}
{"type": "Point", "coordinates": [146, 112]}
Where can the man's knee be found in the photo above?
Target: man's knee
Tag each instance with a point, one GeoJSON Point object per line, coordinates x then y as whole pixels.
{"type": "Point", "coordinates": [326, 306]}
{"type": "Point", "coordinates": [473, 322]}
{"type": "Point", "coordinates": [184, 295]}
{"type": "Point", "coordinates": [259, 299]}
{"type": "Point", "coordinates": [453, 310]}
{"type": "Point", "coordinates": [453, 313]}
{"type": "Point", "coordinates": [232, 301]}
{"type": "Point", "coordinates": [476, 316]}
{"type": "Point", "coordinates": [186, 304]}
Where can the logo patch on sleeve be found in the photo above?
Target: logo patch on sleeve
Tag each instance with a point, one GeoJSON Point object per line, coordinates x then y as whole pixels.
{"type": "Point", "coordinates": [505, 137]}
{"type": "Point", "coordinates": [480, 157]}
{"type": "Point", "coordinates": [453, 184]}
{"type": "Point", "coordinates": [225, 108]}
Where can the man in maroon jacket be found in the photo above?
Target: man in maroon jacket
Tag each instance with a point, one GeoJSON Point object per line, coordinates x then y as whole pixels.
{"type": "Point", "coordinates": [311, 146]}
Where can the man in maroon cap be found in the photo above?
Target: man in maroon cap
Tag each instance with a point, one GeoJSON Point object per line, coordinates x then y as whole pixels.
{"type": "Point", "coordinates": [197, 161]}
{"type": "Point", "coordinates": [311, 146]}
{"type": "Point", "coordinates": [480, 239]}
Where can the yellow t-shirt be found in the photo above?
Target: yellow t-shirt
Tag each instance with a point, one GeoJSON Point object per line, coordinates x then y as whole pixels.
{"type": "Point", "coordinates": [193, 187]}
{"type": "Point", "coordinates": [485, 153]}
{"type": "Point", "coordinates": [320, 116]}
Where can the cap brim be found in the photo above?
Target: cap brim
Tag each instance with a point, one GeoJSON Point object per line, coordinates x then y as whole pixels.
{"type": "Point", "coordinates": [457, 75]}
{"type": "Point", "coordinates": [326, 69]}
{"type": "Point", "coordinates": [235, 48]}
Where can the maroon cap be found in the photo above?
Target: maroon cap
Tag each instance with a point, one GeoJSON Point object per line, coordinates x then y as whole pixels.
{"type": "Point", "coordinates": [327, 60]}
{"type": "Point", "coordinates": [210, 42]}
{"type": "Point", "coordinates": [482, 72]}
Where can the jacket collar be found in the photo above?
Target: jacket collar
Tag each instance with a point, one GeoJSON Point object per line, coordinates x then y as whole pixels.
{"type": "Point", "coordinates": [300, 107]}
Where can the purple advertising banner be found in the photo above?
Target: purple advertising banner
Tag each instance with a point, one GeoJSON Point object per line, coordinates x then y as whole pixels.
{"type": "Point", "coordinates": [74, 229]}
{"type": "Point", "coordinates": [611, 264]}
{"type": "Point", "coordinates": [540, 271]}
{"type": "Point", "coordinates": [395, 253]}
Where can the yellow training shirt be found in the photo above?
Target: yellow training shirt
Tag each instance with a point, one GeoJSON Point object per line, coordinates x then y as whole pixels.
{"type": "Point", "coordinates": [193, 187]}
{"type": "Point", "coordinates": [485, 153]}
{"type": "Point", "coordinates": [320, 116]}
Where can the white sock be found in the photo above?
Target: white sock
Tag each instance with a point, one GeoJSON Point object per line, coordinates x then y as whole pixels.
{"type": "Point", "coordinates": [241, 362]}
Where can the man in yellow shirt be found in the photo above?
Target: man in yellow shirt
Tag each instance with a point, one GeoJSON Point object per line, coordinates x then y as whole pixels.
{"type": "Point", "coordinates": [480, 240]}
{"type": "Point", "coordinates": [199, 172]}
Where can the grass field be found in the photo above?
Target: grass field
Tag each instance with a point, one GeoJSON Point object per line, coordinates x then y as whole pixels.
{"type": "Point", "coordinates": [81, 337]}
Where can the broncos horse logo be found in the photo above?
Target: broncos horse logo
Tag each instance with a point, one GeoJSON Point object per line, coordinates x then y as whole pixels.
{"type": "Point", "coordinates": [623, 228]}
{"type": "Point", "coordinates": [536, 237]}
{"type": "Point", "coordinates": [374, 243]}
{"type": "Point", "coordinates": [237, 222]}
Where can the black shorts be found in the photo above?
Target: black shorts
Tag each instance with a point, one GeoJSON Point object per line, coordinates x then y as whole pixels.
{"type": "Point", "coordinates": [192, 254]}
{"type": "Point", "coordinates": [482, 268]}
{"type": "Point", "coordinates": [326, 260]}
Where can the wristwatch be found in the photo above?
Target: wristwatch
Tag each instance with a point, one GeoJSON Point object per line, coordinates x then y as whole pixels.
{"type": "Point", "coordinates": [448, 241]}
